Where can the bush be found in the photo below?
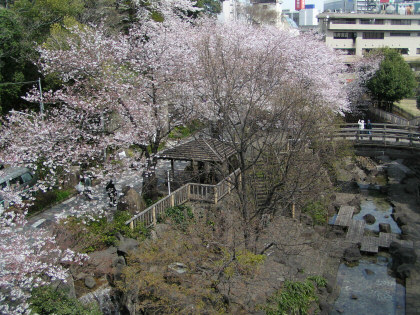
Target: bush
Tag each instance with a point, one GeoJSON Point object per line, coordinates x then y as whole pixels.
{"type": "Point", "coordinates": [294, 297]}
{"type": "Point", "coordinates": [46, 300]}
{"type": "Point", "coordinates": [180, 215]}
{"type": "Point", "coordinates": [46, 199]}
{"type": "Point", "coordinates": [100, 233]}
{"type": "Point", "coordinates": [317, 211]}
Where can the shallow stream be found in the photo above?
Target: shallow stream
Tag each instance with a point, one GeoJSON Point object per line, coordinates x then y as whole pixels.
{"type": "Point", "coordinates": [368, 288]}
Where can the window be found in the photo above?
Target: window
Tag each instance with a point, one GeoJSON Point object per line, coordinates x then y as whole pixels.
{"type": "Point", "coordinates": [343, 21]}
{"type": "Point", "coordinates": [418, 52]}
{"type": "Point", "coordinates": [371, 21]}
{"type": "Point", "coordinates": [347, 51]}
{"type": "Point", "coordinates": [373, 35]}
{"type": "Point", "coordinates": [399, 34]}
{"type": "Point", "coordinates": [344, 35]}
{"type": "Point", "coordinates": [400, 22]}
{"type": "Point", "coordinates": [403, 51]}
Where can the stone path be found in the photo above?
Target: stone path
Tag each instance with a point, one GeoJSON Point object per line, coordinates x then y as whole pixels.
{"type": "Point", "coordinates": [128, 177]}
{"type": "Point", "coordinates": [344, 216]}
{"type": "Point", "coordinates": [356, 230]}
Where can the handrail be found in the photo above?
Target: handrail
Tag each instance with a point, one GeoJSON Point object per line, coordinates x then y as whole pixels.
{"type": "Point", "coordinates": [387, 135]}
{"type": "Point", "coordinates": [189, 191]}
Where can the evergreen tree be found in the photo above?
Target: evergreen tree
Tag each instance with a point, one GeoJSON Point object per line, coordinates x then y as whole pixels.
{"type": "Point", "coordinates": [394, 80]}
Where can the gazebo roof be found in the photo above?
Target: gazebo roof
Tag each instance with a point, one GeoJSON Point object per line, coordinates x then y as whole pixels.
{"type": "Point", "coordinates": [201, 149]}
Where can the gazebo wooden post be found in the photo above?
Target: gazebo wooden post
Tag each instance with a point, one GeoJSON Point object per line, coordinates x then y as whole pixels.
{"type": "Point", "coordinates": [173, 169]}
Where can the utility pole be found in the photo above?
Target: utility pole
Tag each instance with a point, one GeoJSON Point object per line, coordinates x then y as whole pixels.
{"type": "Point", "coordinates": [41, 102]}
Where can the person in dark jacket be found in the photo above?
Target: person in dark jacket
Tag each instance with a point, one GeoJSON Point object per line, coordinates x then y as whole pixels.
{"type": "Point", "coordinates": [112, 193]}
{"type": "Point", "coordinates": [369, 126]}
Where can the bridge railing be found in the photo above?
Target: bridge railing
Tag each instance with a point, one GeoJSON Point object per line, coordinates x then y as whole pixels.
{"type": "Point", "coordinates": [381, 134]}
{"type": "Point", "coordinates": [190, 191]}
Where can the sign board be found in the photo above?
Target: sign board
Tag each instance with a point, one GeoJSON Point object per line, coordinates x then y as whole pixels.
{"type": "Point", "coordinates": [299, 5]}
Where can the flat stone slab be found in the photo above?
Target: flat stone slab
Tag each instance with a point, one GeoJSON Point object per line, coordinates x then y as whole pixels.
{"type": "Point", "coordinates": [344, 216]}
{"type": "Point", "coordinates": [370, 244]}
{"type": "Point", "coordinates": [356, 230]}
{"type": "Point", "coordinates": [385, 239]}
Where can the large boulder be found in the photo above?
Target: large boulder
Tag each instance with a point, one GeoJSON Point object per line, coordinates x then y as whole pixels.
{"type": "Point", "coordinates": [131, 201]}
{"type": "Point", "coordinates": [90, 282]}
{"type": "Point", "coordinates": [369, 218]}
{"type": "Point", "coordinates": [403, 258]}
{"type": "Point", "coordinates": [352, 254]}
{"type": "Point", "coordinates": [126, 245]}
{"type": "Point", "coordinates": [102, 261]}
{"type": "Point", "coordinates": [385, 227]}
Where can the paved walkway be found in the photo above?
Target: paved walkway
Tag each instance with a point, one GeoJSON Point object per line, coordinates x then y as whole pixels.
{"type": "Point", "coordinates": [80, 203]}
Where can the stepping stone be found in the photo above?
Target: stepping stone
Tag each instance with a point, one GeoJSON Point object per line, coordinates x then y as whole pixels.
{"type": "Point", "coordinates": [344, 216]}
{"type": "Point", "coordinates": [370, 244]}
{"type": "Point", "coordinates": [356, 230]}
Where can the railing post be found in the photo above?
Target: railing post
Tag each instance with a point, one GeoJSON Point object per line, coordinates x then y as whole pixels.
{"type": "Point", "coordinates": [384, 131]}
{"type": "Point", "coordinates": [215, 195]}
{"type": "Point", "coordinates": [154, 216]}
{"type": "Point", "coordinates": [188, 192]}
{"type": "Point", "coordinates": [173, 200]}
{"type": "Point", "coordinates": [132, 225]}
{"type": "Point", "coordinates": [293, 210]}
{"type": "Point", "coordinates": [228, 184]}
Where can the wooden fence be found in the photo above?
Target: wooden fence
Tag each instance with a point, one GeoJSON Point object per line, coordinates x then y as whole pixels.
{"type": "Point", "coordinates": [394, 119]}
{"type": "Point", "coordinates": [188, 192]}
{"type": "Point", "coordinates": [381, 134]}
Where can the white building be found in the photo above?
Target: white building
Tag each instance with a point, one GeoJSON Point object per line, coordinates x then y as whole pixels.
{"type": "Point", "coordinates": [308, 16]}
{"type": "Point", "coordinates": [356, 34]}
{"type": "Point", "coordinates": [255, 12]}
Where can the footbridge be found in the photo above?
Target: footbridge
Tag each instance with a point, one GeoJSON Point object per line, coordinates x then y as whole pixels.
{"type": "Point", "coordinates": [381, 135]}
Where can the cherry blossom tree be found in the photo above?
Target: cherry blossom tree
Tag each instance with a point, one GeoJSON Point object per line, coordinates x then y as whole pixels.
{"type": "Point", "coordinates": [134, 84]}
{"type": "Point", "coordinates": [29, 258]}
{"type": "Point", "coordinates": [272, 96]}
{"type": "Point", "coordinates": [360, 72]}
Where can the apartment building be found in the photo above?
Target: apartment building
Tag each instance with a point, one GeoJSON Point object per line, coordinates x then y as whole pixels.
{"type": "Point", "coordinates": [354, 34]}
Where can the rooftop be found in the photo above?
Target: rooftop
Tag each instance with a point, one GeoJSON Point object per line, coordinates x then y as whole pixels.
{"type": "Point", "coordinates": [201, 149]}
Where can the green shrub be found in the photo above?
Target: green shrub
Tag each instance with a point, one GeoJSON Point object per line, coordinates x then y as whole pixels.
{"type": "Point", "coordinates": [47, 300]}
{"type": "Point", "coordinates": [61, 195]}
{"type": "Point", "coordinates": [317, 211]}
{"type": "Point", "coordinates": [181, 132]}
{"type": "Point", "coordinates": [294, 297]}
{"type": "Point", "coordinates": [100, 233]}
{"type": "Point", "coordinates": [319, 281]}
{"type": "Point", "coordinates": [180, 215]}
{"type": "Point", "coordinates": [46, 199]}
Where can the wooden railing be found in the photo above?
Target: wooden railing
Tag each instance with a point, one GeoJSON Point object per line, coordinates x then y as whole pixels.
{"type": "Point", "coordinates": [381, 134]}
{"type": "Point", "coordinates": [188, 192]}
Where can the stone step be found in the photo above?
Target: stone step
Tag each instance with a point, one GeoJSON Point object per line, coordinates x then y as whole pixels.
{"type": "Point", "coordinates": [344, 216]}
{"type": "Point", "coordinates": [356, 230]}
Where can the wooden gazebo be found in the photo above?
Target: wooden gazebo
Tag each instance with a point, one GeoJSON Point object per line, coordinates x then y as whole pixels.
{"type": "Point", "coordinates": [204, 154]}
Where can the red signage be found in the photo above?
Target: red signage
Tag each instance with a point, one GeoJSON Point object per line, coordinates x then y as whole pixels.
{"type": "Point", "coordinates": [299, 5]}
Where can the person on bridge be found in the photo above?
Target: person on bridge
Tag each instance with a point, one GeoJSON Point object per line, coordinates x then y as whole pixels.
{"type": "Point", "coordinates": [369, 126]}
{"type": "Point", "coordinates": [361, 126]}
